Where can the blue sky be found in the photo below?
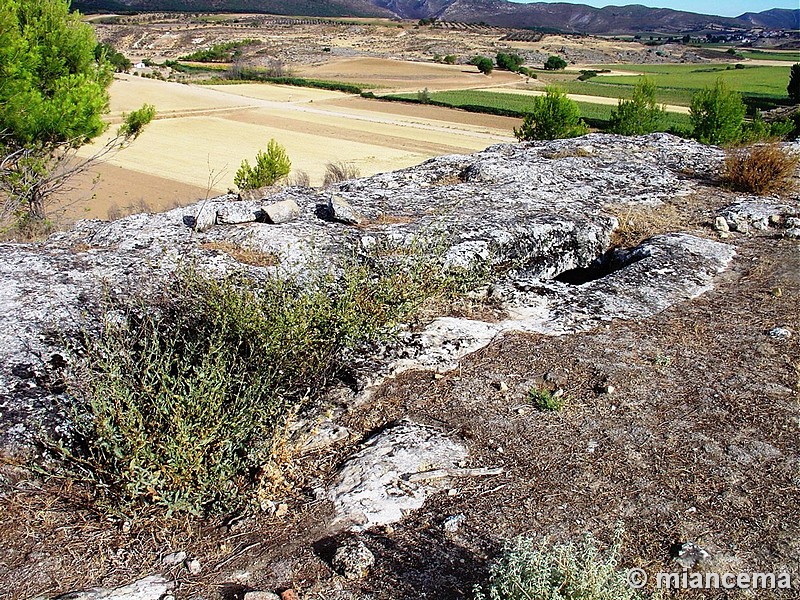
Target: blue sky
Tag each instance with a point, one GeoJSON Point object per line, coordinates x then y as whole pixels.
{"type": "Point", "coordinates": [729, 8]}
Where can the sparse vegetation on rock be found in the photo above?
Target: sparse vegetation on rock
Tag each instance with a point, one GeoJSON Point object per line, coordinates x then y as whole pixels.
{"type": "Point", "coordinates": [339, 171]}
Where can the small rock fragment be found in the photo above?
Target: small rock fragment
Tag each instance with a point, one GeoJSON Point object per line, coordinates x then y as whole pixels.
{"type": "Point", "coordinates": [193, 566]}
{"type": "Point", "coordinates": [502, 386]}
{"type": "Point", "coordinates": [175, 558]}
{"type": "Point", "coordinates": [341, 210]}
{"type": "Point", "coordinates": [233, 213]}
{"type": "Point", "coordinates": [353, 560]}
{"type": "Point", "coordinates": [289, 595]}
{"type": "Point", "coordinates": [261, 596]}
{"type": "Point", "coordinates": [282, 211]}
{"type": "Point", "coordinates": [282, 510]}
{"type": "Point", "coordinates": [720, 224]}
{"type": "Point", "coordinates": [690, 555]}
{"type": "Point", "coordinates": [793, 234]}
{"type": "Point", "coordinates": [780, 333]}
{"type": "Point", "coordinates": [154, 587]}
{"type": "Point", "coordinates": [205, 217]}
{"type": "Point", "coordinates": [451, 524]}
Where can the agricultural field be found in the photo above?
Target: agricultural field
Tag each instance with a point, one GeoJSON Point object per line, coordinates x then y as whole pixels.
{"type": "Point", "coordinates": [518, 102]}
{"type": "Point", "coordinates": [202, 133]}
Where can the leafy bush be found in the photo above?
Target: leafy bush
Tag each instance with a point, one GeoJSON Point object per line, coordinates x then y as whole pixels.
{"type": "Point", "coordinates": [340, 171]}
{"type": "Point", "coordinates": [545, 400]}
{"type": "Point", "coordinates": [553, 116]}
{"type": "Point", "coordinates": [509, 62]}
{"type": "Point", "coordinates": [183, 399]}
{"type": "Point", "coordinates": [271, 166]}
{"type": "Point", "coordinates": [717, 114]}
{"type": "Point", "coordinates": [424, 96]}
{"type": "Point", "coordinates": [758, 130]}
{"type": "Point", "coordinates": [639, 115]}
{"type": "Point", "coordinates": [555, 63]}
{"type": "Point", "coordinates": [484, 63]}
{"type": "Point", "coordinates": [107, 52]}
{"type": "Point", "coordinates": [450, 59]}
{"type": "Point", "coordinates": [224, 52]}
{"type": "Point", "coordinates": [530, 571]}
{"type": "Point", "coordinates": [586, 74]}
{"type": "Point", "coordinates": [761, 169]}
{"type": "Point", "coordinates": [793, 89]}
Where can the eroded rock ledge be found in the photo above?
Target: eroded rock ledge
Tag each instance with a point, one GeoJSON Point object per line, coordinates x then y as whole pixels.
{"type": "Point", "coordinates": [545, 207]}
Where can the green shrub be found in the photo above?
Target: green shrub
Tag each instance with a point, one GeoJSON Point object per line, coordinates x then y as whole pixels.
{"type": "Point", "coordinates": [555, 63]}
{"type": "Point", "coordinates": [484, 63]}
{"type": "Point", "coordinates": [450, 59]}
{"type": "Point", "coordinates": [183, 400]}
{"type": "Point", "coordinates": [271, 166]}
{"type": "Point", "coordinates": [545, 400]}
{"type": "Point", "coordinates": [509, 62]}
{"type": "Point", "coordinates": [793, 88]}
{"type": "Point", "coordinates": [758, 130]}
{"type": "Point", "coordinates": [531, 571]}
{"type": "Point", "coordinates": [586, 74]}
{"type": "Point", "coordinates": [552, 116]}
{"type": "Point", "coordinates": [717, 114]}
{"type": "Point", "coordinates": [424, 96]}
{"type": "Point", "coordinates": [639, 115]}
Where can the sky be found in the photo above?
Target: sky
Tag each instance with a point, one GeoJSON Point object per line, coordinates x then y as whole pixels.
{"type": "Point", "coordinates": [728, 8]}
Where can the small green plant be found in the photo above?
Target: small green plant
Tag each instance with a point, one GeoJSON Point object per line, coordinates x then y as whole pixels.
{"type": "Point", "coordinates": [271, 167]}
{"type": "Point", "coordinates": [552, 116]}
{"type": "Point", "coordinates": [555, 63]}
{"type": "Point", "coordinates": [717, 114]}
{"type": "Point", "coordinates": [639, 115]}
{"type": "Point", "coordinates": [531, 571]}
{"type": "Point", "coordinates": [546, 400]}
{"type": "Point", "coordinates": [450, 59]}
{"type": "Point", "coordinates": [424, 96]}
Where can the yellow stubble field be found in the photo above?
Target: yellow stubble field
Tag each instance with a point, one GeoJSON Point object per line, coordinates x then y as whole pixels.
{"type": "Point", "coordinates": [202, 133]}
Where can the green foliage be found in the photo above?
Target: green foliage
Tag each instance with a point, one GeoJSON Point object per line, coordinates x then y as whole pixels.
{"type": "Point", "coordinates": [552, 116]}
{"type": "Point", "coordinates": [450, 59]}
{"type": "Point", "coordinates": [546, 400]}
{"type": "Point", "coordinates": [107, 53]}
{"type": "Point", "coordinates": [51, 88]}
{"type": "Point", "coordinates": [717, 114]}
{"type": "Point", "coordinates": [531, 571]}
{"type": "Point", "coordinates": [509, 62]}
{"type": "Point", "coordinates": [184, 397]}
{"type": "Point", "coordinates": [639, 115]}
{"type": "Point", "coordinates": [134, 123]}
{"type": "Point", "coordinates": [271, 166]}
{"type": "Point", "coordinates": [484, 63]}
{"type": "Point", "coordinates": [424, 96]}
{"type": "Point", "coordinates": [758, 130]}
{"type": "Point", "coordinates": [586, 74]}
{"type": "Point", "coordinates": [793, 89]}
{"type": "Point", "coordinates": [225, 52]}
{"type": "Point", "coordinates": [555, 63]}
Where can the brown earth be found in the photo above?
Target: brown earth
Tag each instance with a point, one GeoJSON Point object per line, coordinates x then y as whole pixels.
{"type": "Point", "coordinates": [698, 440]}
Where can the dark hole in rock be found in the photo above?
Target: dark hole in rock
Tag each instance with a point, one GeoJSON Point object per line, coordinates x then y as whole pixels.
{"type": "Point", "coordinates": [610, 262]}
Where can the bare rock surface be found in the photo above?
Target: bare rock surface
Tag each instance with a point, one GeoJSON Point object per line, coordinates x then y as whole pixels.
{"type": "Point", "coordinates": [153, 587]}
{"type": "Point", "coordinates": [546, 208]}
{"type": "Point", "coordinates": [372, 487]}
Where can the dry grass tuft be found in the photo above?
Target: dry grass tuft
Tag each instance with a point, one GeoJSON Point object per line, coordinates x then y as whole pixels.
{"type": "Point", "coordinates": [340, 171]}
{"type": "Point", "coordinates": [248, 256]}
{"type": "Point", "coordinates": [637, 224]}
{"type": "Point", "coordinates": [761, 169]}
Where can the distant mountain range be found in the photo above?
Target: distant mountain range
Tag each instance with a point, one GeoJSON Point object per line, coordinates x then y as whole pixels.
{"type": "Point", "coordinates": [559, 16]}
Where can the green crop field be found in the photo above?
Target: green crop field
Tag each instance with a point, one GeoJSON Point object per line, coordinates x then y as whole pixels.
{"type": "Point", "coordinates": [765, 55]}
{"type": "Point", "coordinates": [519, 104]}
{"type": "Point", "coordinates": [757, 81]}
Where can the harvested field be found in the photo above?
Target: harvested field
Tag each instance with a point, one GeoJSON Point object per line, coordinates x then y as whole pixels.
{"type": "Point", "coordinates": [405, 75]}
{"type": "Point", "coordinates": [201, 135]}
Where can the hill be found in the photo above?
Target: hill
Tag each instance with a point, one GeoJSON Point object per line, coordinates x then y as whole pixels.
{"type": "Point", "coordinates": [577, 18]}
